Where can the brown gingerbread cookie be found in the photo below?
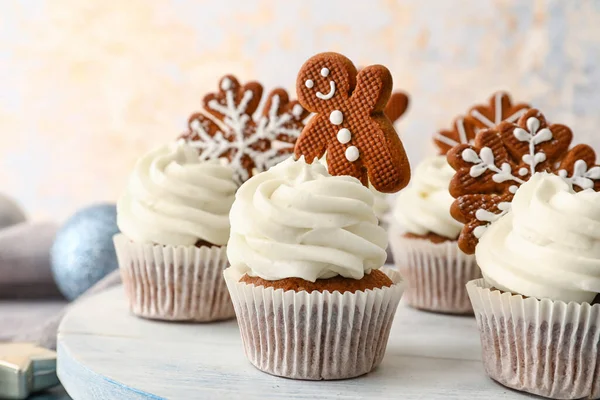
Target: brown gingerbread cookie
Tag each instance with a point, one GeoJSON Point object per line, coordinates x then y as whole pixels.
{"type": "Point", "coordinates": [490, 171]}
{"type": "Point", "coordinates": [396, 106]}
{"type": "Point", "coordinates": [463, 131]}
{"type": "Point", "coordinates": [228, 128]}
{"type": "Point", "coordinates": [350, 124]}
{"type": "Point", "coordinates": [483, 116]}
{"type": "Point", "coordinates": [499, 109]}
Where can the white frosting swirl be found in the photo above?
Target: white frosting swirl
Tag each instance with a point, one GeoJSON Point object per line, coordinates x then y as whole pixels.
{"type": "Point", "coordinates": [296, 220]}
{"type": "Point", "coordinates": [548, 246]}
{"type": "Point", "coordinates": [380, 203]}
{"type": "Point", "coordinates": [174, 199]}
{"type": "Point", "coordinates": [424, 207]}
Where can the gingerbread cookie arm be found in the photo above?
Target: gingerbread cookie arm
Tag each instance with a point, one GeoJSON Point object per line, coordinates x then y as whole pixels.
{"type": "Point", "coordinates": [373, 88]}
{"type": "Point", "coordinates": [384, 157]}
{"type": "Point", "coordinates": [396, 106]}
{"type": "Point", "coordinates": [312, 142]}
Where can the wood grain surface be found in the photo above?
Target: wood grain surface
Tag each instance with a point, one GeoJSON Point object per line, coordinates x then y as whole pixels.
{"type": "Point", "coordinates": [106, 353]}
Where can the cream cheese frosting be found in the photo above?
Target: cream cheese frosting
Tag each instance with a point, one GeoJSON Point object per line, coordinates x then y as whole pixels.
{"type": "Point", "coordinates": [381, 206]}
{"type": "Point", "coordinates": [424, 207]}
{"type": "Point", "coordinates": [175, 199]}
{"type": "Point", "coordinates": [548, 245]}
{"type": "Point", "coordinates": [297, 221]}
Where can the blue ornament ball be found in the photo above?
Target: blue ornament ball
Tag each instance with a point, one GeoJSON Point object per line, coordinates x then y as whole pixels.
{"type": "Point", "coordinates": [83, 251]}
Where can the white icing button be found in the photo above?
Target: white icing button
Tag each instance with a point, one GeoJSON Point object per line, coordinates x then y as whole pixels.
{"type": "Point", "coordinates": [352, 153]}
{"type": "Point", "coordinates": [344, 136]}
{"type": "Point", "coordinates": [336, 117]}
{"type": "Point", "coordinates": [324, 72]}
{"type": "Point", "coordinates": [309, 83]}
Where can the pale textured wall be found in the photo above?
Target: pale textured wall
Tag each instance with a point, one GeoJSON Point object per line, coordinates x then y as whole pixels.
{"type": "Point", "coordinates": [88, 85]}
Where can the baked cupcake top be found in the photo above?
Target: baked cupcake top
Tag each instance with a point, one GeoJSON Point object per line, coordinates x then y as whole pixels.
{"type": "Point", "coordinates": [298, 221]}
{"type": "Point", "coordinates": [548, 245]}
{"type": "Point", "coordinates": [424, 207]}
{"type": "Point", "coordinates": [175, 199]}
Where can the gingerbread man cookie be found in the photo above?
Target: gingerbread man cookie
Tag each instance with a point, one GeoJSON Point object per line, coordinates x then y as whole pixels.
{"type": "Point", "coordinates": [490, 171]}
{"type": "Point", "coordinates": [350, 124]}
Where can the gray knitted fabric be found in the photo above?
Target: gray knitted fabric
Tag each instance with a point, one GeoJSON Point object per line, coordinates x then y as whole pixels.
{"type": "Point", "coordinates": [31, 306]}
{"type": "Point", "coordinates": [25, 270]}
{"type": "Point", "coordinates": [42, 330]}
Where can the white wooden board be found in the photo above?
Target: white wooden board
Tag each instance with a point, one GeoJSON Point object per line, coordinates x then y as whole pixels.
{"type": "Point", "coordinates": [106, 353]}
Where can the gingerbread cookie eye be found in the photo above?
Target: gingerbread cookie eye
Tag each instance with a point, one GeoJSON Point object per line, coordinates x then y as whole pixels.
{"type": "Point", "coordinates": [325, 72]}
{"type": "Point", "coordinates": [309, 83]}
{"type": "Point", "coordinates": [490, 171]}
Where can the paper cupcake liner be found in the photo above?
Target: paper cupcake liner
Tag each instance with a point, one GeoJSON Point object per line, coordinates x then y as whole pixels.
{"type": "Point", "coordinates": [314, 335]}
{"type": "Point", "coordinates": [544, 347]}
{"type": "Point", "coordinates": [435, 273]}
{"type": "Point", "coordinates": [183, 283]}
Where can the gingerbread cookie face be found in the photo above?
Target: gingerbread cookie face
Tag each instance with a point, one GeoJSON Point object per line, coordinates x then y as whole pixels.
{"type": "Point", "coordinates": [350, 124]}
{"type": "Point", "coordinates": [325, 81]}
{"type": "Point", "coordinates": [499, 108]}
{"type": "Point", "coordinates": [228, 127]}
{"type": "Point", "coordinates": [489, 172]}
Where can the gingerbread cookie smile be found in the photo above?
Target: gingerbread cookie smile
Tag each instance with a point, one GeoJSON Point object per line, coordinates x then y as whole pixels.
{"type": "Point", "coordinates": [350, 125]}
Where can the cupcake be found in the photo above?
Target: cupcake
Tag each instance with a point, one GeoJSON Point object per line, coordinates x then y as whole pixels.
{"type": "Point", "coordinates": [532, 216]}
{"type": "Point", "coordinates": [174, 225]}
{"type": "Point", "coordinates": [423, 238]}
{"type": "Point", "coordinates": [174, 216]}
{"type": "Point", "coordinates": [305, 279]}
{"type": "Point", "coordinates": [540, 332]}
{"type": "Point", "coordinates": [306, 248]}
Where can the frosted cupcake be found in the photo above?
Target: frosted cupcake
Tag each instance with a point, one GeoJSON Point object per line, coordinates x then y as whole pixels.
{"type": "Point", "coordinates": [174, 222]}
{"type": "Point", "coordinates": [531, 211]}
{"type": "Point", "coordinates": [305, 253]}
{"type": "Point", "coordinates": [423, 239]}
{"type": "Point", "coordinates": [540, 332]}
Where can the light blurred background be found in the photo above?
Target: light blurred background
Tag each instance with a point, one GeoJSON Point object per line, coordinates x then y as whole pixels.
{"type": "Point", "coordinates": [87, 86]}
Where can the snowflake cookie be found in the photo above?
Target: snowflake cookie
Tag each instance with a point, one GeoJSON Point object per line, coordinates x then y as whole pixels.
{"type": "Point", "coordinates": [484, 116]}
{"type": "Point", "coordinates": [489, 172]}
{"type": "Point", "coordinates": [228, 128]}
